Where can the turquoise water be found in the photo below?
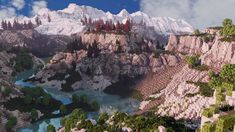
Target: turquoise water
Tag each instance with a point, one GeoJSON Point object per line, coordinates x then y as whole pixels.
{"type": "Point", "coordinates": [108, 103]}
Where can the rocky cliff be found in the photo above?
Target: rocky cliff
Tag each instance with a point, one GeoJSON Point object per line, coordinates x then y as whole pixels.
{"type": "Point", "coordinates": [38, 44]}
{"type": "Point", "coordinates": [100, 72]}
{"type": "Point", "coordinates": [213, 50]}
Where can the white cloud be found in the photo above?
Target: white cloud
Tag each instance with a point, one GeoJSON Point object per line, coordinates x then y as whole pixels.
{"type": "Point", "coordinates": [7, 12]}
{"type": "Point", "coordinates": [37, 5]}
{"type": "Point", "coordinates": [200, 13]}
{"type": "Point", "coordinates": [18, 4]}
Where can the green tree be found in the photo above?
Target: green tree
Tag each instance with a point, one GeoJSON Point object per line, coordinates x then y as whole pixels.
{"type": "Point", "coordinates": [228, 72]}
{"type": "Point", "coordinates": [196, 32]}
{"type": "Point", "coordinates": [75, 98]}
{"type": "Point", "coordinates": [95, 105]}
{"type": "Point", "coordinates": [63, 109]}
{"type": "Point", "coordinates": [84, 98]}
{"type": "Point", "coordinates": [51, 128]}
{"type": "Point", "coordinates": [103, 118]}
{"type": "Point", "coordinates": [12, 121]}
{"type": "Point", "coordinates": [23, 61]}
{"type": "Point", "coordinates": [34, 114]}
{"type": "Point", "coordinates": [28, 99]}
{"type": "Point", "coordinates": [227, 22]}
{"type": "Point", "coordinates": [46, 99]}
{"type": "Point", "coordinates": [192, 61]}
{"type": "Point", "coordinates": [5, 91]}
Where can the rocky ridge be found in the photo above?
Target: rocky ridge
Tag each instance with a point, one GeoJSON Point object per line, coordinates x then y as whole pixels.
{"type": "Point", "coordinates": [214, 53]}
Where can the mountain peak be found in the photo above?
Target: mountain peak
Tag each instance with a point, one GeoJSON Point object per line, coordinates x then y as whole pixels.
{"type": "Point", "coordinates": [124, 13]}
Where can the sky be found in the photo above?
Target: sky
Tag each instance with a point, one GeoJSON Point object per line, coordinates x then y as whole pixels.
{"type": "Point", "coordinates": [199, 13]}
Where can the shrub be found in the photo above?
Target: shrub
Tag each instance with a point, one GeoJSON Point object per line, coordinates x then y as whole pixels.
{"type": "Point", "coordinates": [46, 99]}
{"type": "Point", "coordinates": [34, 114]}
{"type": "Point", "coordinates": [95, 105]}
{"type": "Point", "coordinates": [23, 61]}
{"type": "Point", "coordinates": [84, 98]}
{"type": "Point", "coordinates": [12, 121]}
{"type": "Point", "coordinates": [102, 118]}
{"type": "Point", "coordinates": [63, 109]}
{"type": "Point", "coordinates": [196, 32]}
{"type": "Point", "coordinates": [75, 98]}
{"type": "Point", "coordinates": [5, 91]}
{"type": "Point", "coordinates": [228, 72]}
{"type": "Point", "coordinates": [51, 128]}
{"type": "Point", "coordinates": [28, 99]}
{"type": "Point", "coordinates": [192, 61]}
{"type": "Point", "coordinates": [208, 112]}
{"type": "Point", "coordinates": [208, 127]}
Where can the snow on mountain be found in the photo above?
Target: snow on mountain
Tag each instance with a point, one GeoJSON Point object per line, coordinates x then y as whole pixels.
{"type": "Point", "coordinates": [68, 20]}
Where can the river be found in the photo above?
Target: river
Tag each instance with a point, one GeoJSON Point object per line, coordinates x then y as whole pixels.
{"type": "Point", "coordinates": [108, 103]}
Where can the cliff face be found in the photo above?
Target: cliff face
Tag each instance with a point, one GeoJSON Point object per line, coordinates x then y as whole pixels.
{"type": "Point", "coordinates": [188, 44]}
{"type": "Point", "coordinates": [214, 53]}
{"type": "Point", "coordinates": [103, 71]}
{"type": "Point", "coordinates": [38, 44]}
{"type": "Point", "coordinates": [220, 53]}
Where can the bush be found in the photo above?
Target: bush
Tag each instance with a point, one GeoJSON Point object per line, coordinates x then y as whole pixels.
{"type": "Point", "coordinates": [208, 127]}
{"type": "Point", "coordinates": [196, 32]}
{"type": "Point", "coordinates": [75, 99]}
{"type": "Point", "coordinates": [34, 114]}
{"type": "Point", "coordinates": [51, 128]}
{"type": "Point", "coordinates": [23, 61]}
{"type": "Point", "coordinates": [28, 99]}
{"type": "Point", "coordinates": [46, 99]}
{"type": "Point", "coordinates": [193, 61]}
{"type": "Point", "coordinates": [84, 98]}
{"type": "Point", "coordinates": [12, 121]}
{"type": "Point", "coordinates": [209, 112]}
{"type": "Point", "coordinates": [228, 72]}
{"type": "Point", "coordinates": [102, 118]}
{"type": "Point", "coordinates": [63, 110]}
{"type": "Point", "coordinates": [5, 91]}
{"type": "Point", "coordinates": [95, 105]}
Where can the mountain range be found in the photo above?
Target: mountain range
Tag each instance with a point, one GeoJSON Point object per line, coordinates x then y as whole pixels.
{"type": "Point", "coordinates": [68, 20]}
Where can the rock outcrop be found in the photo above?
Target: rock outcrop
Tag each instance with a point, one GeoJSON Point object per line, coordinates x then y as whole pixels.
{"type": "Point", "coordinates": [214, 53]}
{"type": "Point", "coordinates": [188, 44]}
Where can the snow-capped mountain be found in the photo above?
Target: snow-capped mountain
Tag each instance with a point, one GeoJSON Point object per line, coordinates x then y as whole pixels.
{"type": "Point", "coordinates": [68, 20]}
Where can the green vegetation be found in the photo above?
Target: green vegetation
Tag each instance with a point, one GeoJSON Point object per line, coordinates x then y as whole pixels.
{"type": "Point", "coordinates": [63, 110]}
{"type": "Point", "coordinates": [209, 112]}
{"type": "Point", "coordinates": [136, 95]}
{"type": "Point", "coordinates": [228, 30]}
{"type": "Point", "coordinates": [204, 88]}
{"type": "Point", "coordinates": [196, 32]}
{"type": "Point", "coordinates": [136, 122]}
{"type": "Point", "coordinates": [36, 99]}
{"type": "Point", "coordinates": [34, 114]}
{"type": "Point", "coordinates": [22, 61]}
{"type": "Point", "coordinates": [208, 127]}
{"type": "Point", "coordinates": [5, 91]}
{"type": "Point", "coordinates": [208, 38]}
{"type": "Point", "coordinates": [12, 121]}
{"type": "Point", "coordinates": [51, 128]}
{"type": "Point", "coordinates": [225, 123]}
{"type": "Point", "coordinates": [195, 63]}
